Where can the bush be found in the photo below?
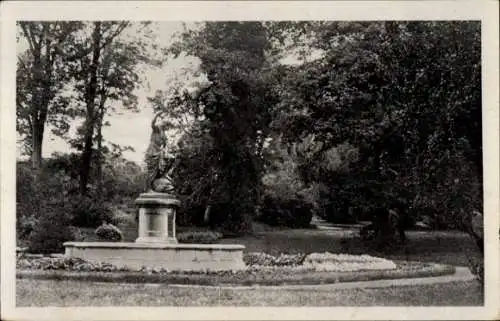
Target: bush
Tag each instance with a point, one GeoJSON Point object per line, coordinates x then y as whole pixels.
{"type": "Point", "coordinates": [109, 232]}
{"type": "Point", "coordinates": [35, 196]}
{"type": "Point", "coordinates": [199, 237]}
{"type": "Point", "coordinates": [49, 234]}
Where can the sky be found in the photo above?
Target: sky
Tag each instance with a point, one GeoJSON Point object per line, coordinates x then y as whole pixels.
{"type": "Point", "coordinates": [129, 128]}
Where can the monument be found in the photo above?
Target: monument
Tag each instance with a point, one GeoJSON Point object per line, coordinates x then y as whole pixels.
{"type": "Point", "coordinates": [158, 206]}
{"type": "Point", "coordinates": [156, 245]}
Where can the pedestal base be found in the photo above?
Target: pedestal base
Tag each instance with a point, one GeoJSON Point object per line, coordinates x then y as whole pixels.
{"type": "Point", "coordinates": [157, 218]}
{"type": "Point", "coordinates": [184, 257]}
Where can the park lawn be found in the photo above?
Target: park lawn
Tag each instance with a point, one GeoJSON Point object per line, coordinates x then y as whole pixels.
{"type": "Point", "coordinates": [77, 293]}
{"type": "Point", "coordinates": [444, 247]}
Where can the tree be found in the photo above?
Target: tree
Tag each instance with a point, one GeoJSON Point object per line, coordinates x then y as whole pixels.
{"type": "Point", "coordinates": [236, 106]}
{"type": "Point", "coordinates": [105, 78]}
{"type": "Point", "coordinates": [41, 76]}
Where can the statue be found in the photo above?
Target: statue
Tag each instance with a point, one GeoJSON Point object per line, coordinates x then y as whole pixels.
{"type": "Point", "coordinates": [159, 171]}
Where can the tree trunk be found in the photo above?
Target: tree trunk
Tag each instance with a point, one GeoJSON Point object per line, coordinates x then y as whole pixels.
{"type": "Point", "coordinates": [38, 129]}
{"type": "Point", "coordinates": [99, 154]}
{"type": "Point", "coordinates": [86, 159]}
{"type": "Point", "coordinates": [36, 145]}
{"type": "Point", "coordinates": [90, 96]}
{"type": "Point", "coordinates": [43, 75]}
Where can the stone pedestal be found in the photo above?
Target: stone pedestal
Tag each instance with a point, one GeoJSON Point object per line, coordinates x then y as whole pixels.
{"type": "Point", "coordinates": [157, 218]}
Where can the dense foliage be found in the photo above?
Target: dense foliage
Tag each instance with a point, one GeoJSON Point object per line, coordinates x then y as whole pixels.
{"type": "Point", "coordinates": [380, 117]}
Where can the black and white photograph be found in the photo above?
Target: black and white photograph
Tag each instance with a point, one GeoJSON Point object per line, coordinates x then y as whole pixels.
{"type": "Point", "coordinates": [246, 161]}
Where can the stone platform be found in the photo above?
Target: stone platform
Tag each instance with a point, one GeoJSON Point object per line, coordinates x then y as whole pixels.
{"type": "Point", "coordinates": [186, 257]}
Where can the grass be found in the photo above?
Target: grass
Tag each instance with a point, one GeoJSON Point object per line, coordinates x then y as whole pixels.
{"type": "Point", "coordinates": [450, 247]}
{"type": "Point", "coordinates": [77, 293]}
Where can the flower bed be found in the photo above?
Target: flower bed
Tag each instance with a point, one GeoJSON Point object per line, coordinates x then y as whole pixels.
{"type": "Point", "coordinates": [254, 259]}
{"type": "Point", "coordinates": [346, 262]}
{"type": "Point", "coordinates": [67, 264]}
{"type": "Point", "coordinates": [261, 269]}
{"type": "Point", "coordinates": [327, 262]}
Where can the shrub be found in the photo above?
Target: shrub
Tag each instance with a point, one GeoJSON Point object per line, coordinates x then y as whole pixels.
{"type": "Point", "coordinates": [49, 234]}
{"type": "Point", "coordinates": [36, 196]}
{"type": "Point", "coordinates": [202, 180]}
{"type": "Point", "coordinates": [109, 232]}
{"type": "Point", "coordinates": [199, 237]}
